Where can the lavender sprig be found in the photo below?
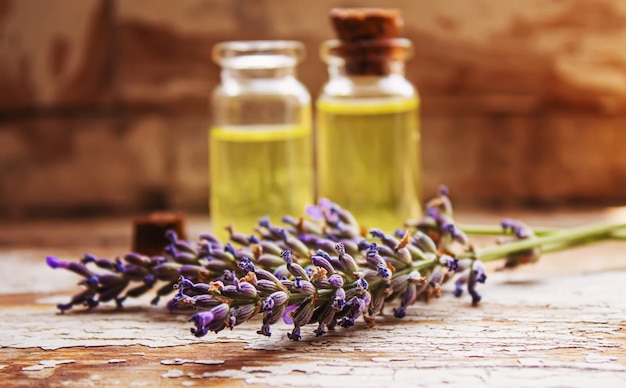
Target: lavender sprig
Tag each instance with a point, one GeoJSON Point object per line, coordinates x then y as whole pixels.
{"type": "Point", "coordinates": [320, 271]}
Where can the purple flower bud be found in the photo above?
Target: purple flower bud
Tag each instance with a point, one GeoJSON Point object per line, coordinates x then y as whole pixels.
{"type": "Point", "coordinates": [347, 322]}
{"type": "Point", "coordinates": [374, 259]}
{"type": "Point", "coordinates": [304, 286]}
{"type": "Point", "coordinates": [457, 234]}
{"type": "Point", "coordinates": [309, 239]}
{"type": "Point", "coordinates": [230, 249]}
{"type": "Point", "coordinates": [339, 299]}
{"type": "Point", "coordinates": [399, 233]}
{"type": "Point", "coordinates": [166, 271]}
{"type": "Point", "coordinates": [346, 262]}
{"type": "Point", "coordinates": [320, 330]}
{"type": "Point", "coordinates": [399, 312]}
{"type": "Point", "coordinates": [286, 255]}
{"type": "Point", "coordinates": [297, 271]}
{"type": "Point", "coordinates": [383, 272]}
{"type": "Point", "coordinates": [424, 242]}
{"type": "Point", "coordinates": [476, 275]}
{"type": "Point", "coordinates": [282, 272]}
{"type": "Point", "coordinates": [265, 222]}
{"type": "Point", "coordinates": [327, 245]}
{"type": "Point", "coordinates": [322, 262]}
{"type": "Point", "coordinates": [241, 314]}
{"type": "Point", "coordinates": [271, 247]}
{"type": "Point", "coordinates": [295, 334]}
{"type": "Point", "coordinates": [507, 223]}
{"type": "Point", "coordinates": [78, 268]}
{"type": "Point", "coordinates": [336, 281]}
{"type": "Point", "coordinates": [339, 247]}
{"type": "Point", "coordinates": [192, 271]}
{"type": "Point", "coordinates": [267, 260]}
{"type": "Point", "coordinates": [137, 259]}
{"type": "Point", "coordinates": [399, 283]}
{"type": "Point", "coordinates": [212, 320]}
{"type": "Point", "coordinates": [303, 314]}
{"type": "Point", "coordinates": [371, 250]}
{"type": "Point", "coordinates": [205, 301]}
{"type": "Point", "coordinates": [436, 277]}
{"type": "Point", "coordinates": [89, 258]}
{"type": "Point", "coordinates": [240, 291]}
{"type": "Point", "coordinates": [266, 275]}
{"type": "Point", "coordinates": [253, 239]}
{"type": "Point", "coordinates": [323, 254]}
{"type": "Point", "coordinates": [363, 245]}
{"type": "Point", "coordinates": [387, 239]}
{"type": "Point", "coordinates": [185, 257]}
{"type": "Point", "coordinates": [246, 265]}
{"type": "Point", "coordinates": [377, 233]}
{"type": "Point", "coordinates": [450, 262]}
{"type": "Point", "coordinates": [360, 285]}
{"type": "Point", "coordinates": [278, 298]}
{"type": "Point", "coordinates": [296, 245]}
{"type": "Point", "coordinates": [344, 215]}
{"type": "Point", "coordinates": [266, 287]}
{"type": "Point", "coordinates": [239, 238]}
{"type": "Point", "coordinates": [210, 238]}
{"type": "Point", "coordinates": [171, 235]}
{"type": "Point", "coordinates": [459, 282]}
{"type": "Point", "coordinates": [265, 330]}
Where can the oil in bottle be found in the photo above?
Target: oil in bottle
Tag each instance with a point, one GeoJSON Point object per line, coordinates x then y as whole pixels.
{"type": "Point", "coordinates": [258, 170]}
{"type": "Point", "coordinates": [368, 158]}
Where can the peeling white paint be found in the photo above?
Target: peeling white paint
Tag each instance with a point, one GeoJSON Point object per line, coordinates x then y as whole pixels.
{"type": "Point", "coordinates": [180, 361]}
{"type": "Point", "coordinates": [47, 364]}
{"type": "Point", "coordinates": [173, 373]}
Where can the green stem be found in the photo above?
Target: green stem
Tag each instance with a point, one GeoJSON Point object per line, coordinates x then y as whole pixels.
{"type": "Point", "coordinates": [564, 236]}
{"type": "Point", "coordinates": [495, 230]}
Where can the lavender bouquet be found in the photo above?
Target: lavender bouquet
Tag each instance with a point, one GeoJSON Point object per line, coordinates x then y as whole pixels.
{"type": "Point", "coordinates": [321, 270]}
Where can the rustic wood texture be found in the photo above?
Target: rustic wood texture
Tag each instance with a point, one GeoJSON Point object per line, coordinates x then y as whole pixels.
{"type": "Point", "coordinates": [560, 322]}
{"type": "Point", "coordinates": [523, 102]}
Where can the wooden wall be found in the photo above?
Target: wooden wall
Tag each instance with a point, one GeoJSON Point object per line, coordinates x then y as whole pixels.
{"type": "Point", "coordinates": [104, 103]}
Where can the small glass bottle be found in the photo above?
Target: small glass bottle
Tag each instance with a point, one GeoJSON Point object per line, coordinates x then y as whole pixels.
{"type": "Point", "coordinates": [260, 145]}
{"type": "Point", "coordinates": [368, 138]}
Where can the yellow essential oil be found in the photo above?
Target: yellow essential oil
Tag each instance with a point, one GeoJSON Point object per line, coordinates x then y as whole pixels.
{"type": "Point", "coordinates": [256, 171]}
{"type": "Point", "coordinates": [368, 158]}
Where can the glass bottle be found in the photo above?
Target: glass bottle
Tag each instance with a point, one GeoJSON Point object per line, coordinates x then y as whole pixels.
{"type": "Point", "coordinates": [368, 137]}
{"type": "Point", "coordinates": [260, 145]}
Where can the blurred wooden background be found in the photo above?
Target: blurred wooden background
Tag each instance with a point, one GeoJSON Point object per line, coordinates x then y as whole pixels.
{"type": "Point", "coordinates": [104, 103]}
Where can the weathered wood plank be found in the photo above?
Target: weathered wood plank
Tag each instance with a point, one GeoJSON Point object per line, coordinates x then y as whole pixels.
{"type": "Point", "coordinates": [561, 322]}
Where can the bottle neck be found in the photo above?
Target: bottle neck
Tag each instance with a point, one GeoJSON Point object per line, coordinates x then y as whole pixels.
{"type": "Point", "coordinates": [255, 67]}
{"type": "Point", "coordinates": [239, 74]}
{"type": "Point", "coordinates": [377, 57]}
{"type": "Point", "coordinates": [365, 68]}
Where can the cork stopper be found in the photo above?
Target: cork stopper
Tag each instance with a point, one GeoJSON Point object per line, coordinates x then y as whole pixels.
{"type": "Point", "coordinates": [149, 231]}
{"type": "Point", "coordinates": [356, 24]}
{"type": "Point", "coordinates": [368, 39]}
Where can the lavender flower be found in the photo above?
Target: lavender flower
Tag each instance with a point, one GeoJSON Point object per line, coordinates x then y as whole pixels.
{"type": "Point", "coordinates": [212, 320]}
{"type": "Point", "coordinates": [521, 232]}
{"type": "Point", "coordinates": [319, 271]}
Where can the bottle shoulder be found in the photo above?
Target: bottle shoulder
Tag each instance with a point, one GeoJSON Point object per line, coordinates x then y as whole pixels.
{"type": "Point", "coordinates": [289, 88]}
{"type": "Point", "coordinates": [392, 86]}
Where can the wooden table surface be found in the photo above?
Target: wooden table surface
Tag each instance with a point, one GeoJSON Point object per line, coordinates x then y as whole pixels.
{"type": "Point", "coordinates": [560, 322]}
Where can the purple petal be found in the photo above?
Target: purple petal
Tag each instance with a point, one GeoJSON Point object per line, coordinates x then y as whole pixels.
{"type": "Point", "coordinates": [53, 262]}
{"type": "Point", "coordinates": [314, 212]}
{"type": "Point", "coordinates": [287, 318]}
